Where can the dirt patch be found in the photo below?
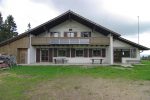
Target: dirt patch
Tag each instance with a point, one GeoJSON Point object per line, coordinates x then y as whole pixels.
{"type": "Point", "coordinates": [87, 88]}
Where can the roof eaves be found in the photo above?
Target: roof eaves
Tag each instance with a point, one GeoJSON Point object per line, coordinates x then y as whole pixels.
{"type": "Point", "coordinates": [134, 44]}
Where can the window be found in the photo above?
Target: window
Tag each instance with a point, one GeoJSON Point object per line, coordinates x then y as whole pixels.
{"type": "Point", "coordinates": [79, 52]}
{"type": "Point", "coordinates": [129, 53]}
{"type": "Point", "coordinates": [85, 34]}
{"type": "Point", "coordinates": [55, 34]}
{"type": "Point", "coordinates": [133, 53]}
{"type": "Point", "coordinates": [70, 34]}
{"type": "Point", "coordinates": [125, 53]}
{"type": "Point", "coordinates": [61, 52]}
{"type": "Point", "coordinates": [96, 52]}
{"type": "Point", "coordinates": [44, 55]}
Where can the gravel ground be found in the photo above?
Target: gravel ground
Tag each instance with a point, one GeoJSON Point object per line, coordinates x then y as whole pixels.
{"type": "Point", "coordinates": [88, 88]}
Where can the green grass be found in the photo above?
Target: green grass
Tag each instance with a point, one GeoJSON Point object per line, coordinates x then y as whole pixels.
{"type": "Point", "coordinates": [16, 81]}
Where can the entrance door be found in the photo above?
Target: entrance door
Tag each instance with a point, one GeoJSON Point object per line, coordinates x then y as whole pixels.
{"type": "Point", "coordinates": [44, 55]}
{"type": "Point", "coordinates": [117, 55]}
{"type": "Point", "coordinates": [22, 55]}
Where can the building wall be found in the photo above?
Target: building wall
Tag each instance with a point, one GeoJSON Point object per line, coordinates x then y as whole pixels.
{"type": "Point", "coordinates": [83, 60]}
{"type": "Point", "coordinates": [75, 26]}
{"type": "Point", "coordinates": [11, 48]}
{"type": "Point", "coordinates": [31, 55]}
{"type": "Point", "coordinates": [121, 45]}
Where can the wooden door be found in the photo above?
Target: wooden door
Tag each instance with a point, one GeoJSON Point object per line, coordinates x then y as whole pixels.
{"type": "Point", "coordinates": [117, 55]}
{"type": "Point", "coordinates": [22, 55]}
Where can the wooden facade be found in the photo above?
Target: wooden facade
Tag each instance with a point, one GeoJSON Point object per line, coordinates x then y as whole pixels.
{"type": "Point", "coordinates": [92, 40]}
{"type": "Point", "coordinates": [13, 47]}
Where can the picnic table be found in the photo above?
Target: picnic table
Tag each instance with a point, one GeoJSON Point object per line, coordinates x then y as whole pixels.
{"type": "Point", "coordinates": [95, 59]}
{"type": "Point", "coordinates": [60, 60]}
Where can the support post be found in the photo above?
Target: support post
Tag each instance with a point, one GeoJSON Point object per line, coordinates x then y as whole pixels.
{"type": "Point", "coordinates": [111, 55]}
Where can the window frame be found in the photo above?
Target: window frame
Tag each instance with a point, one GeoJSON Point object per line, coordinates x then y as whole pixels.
{"type": "Point", "coordinates": [45, 55]}
{"type": "Point", "coordinates": [53, 34]}
{"type": "Point", "coordinates": [70, 34]}
{"type": "Point", "coordinates": [83, 34]}
{"type": "Point", "coordinates": [101, 52]}
{"type": "Point", "coordinates": [76, 52]}
{"type": "Point", "coordinates": [99, 49]}
{"type": "Point", "coordinates": [64, 49]}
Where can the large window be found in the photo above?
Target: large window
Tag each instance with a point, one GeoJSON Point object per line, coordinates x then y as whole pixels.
{"type": "Point", "coordinates": [85, 34]}
{"type": "Point", "coordinates": [44, 55]}
{"type": "Point", "coordinates": [79, 52]}
{"type": "Point", "coordinates": [62, 52]}
{"type": "Point", "coordinates": [126, 53]}
{"type": "Point", "coordinates": [98, 52]}
{"type": "Point", "coordinates": [129, 53]}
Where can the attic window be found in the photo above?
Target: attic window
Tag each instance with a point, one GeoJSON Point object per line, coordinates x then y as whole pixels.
{"type": "Point", "coordinates": [55, 34]}
{"type": "Point", "coordinates": [70, 29]}
{"type": "Point", "coordinates": [85, 34]}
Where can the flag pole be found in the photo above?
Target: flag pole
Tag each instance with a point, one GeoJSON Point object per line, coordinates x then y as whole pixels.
{"type": "Point", "coordinates": [138, 29]}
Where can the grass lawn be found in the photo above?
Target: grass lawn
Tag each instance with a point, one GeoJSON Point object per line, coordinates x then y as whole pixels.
{"type": "Point", "coordinates": [17, 81]}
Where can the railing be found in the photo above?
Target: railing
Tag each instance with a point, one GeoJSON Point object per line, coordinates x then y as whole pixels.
{"type": "Point", "coordinates": [71, 40]}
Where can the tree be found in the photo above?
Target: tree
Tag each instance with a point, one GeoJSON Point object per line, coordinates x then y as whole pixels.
{"type": "Point", "coordinates": [29, 26]}
{"type": "Point", "coordinates": [1, 20]}
{"type": "Point", "coordinates": [8, 29]}
{"type": "Point", "coordinates": [1, 27]}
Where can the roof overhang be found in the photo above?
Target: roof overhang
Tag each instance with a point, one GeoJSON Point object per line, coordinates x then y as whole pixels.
{"type": "Point", "coordinates": [140, 47]}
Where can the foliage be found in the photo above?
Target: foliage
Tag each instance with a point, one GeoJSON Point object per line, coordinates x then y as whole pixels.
{"type": "Point", "coordinates": [145, 57]}
{"type": "Point", "coordinates": [8, 28]}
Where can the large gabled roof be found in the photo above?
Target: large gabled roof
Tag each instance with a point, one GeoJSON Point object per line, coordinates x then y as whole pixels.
{"type": "Point", "coordinates": [72, 16]}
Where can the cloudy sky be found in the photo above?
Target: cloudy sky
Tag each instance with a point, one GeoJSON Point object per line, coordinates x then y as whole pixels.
{"type": "Point", "coordinates": [117, 15]}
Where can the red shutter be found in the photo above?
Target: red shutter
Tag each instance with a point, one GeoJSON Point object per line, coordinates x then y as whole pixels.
{"type": "Point", "coordinates": [90, 52]}
{"type": "Point", "coordinates": [38, 55]}
{"type": "Point", "coordinates": [65, 34]}
{"type": "Point", "coordinates": [75, 34]}
{"type": "Point", "coordinates": [72, 52]}
{"type": "Point", "coordinates": [85, 52]}
{"type": "Point", "coordinates": [55, 52]}
{"type": "Point", "coordinates": [103, 52]}
{"type": "Point", "coordinates": [50, 55]}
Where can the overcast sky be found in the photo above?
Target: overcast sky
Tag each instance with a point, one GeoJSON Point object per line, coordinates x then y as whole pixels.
{"type": "Point", "coordinates": [117, 15]}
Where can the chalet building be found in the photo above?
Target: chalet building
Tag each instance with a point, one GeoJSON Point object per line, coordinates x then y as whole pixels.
{"type": "Point", "coordinates": [71, 38]}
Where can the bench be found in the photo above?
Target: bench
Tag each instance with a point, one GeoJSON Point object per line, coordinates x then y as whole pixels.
{"type": "Point", "coordinates": [60, 60]}
{"type": "Point", "coordinates": [99, 59]}
{"type": "Point", "coordinates": [133, 61]}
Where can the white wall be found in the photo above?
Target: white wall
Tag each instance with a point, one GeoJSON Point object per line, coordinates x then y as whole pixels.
{"type": "Point", "coordinates": [31, 53]}
{"type": "Point", "coordinates": [75, 26]}
{"type": "Point", "coordinates": [83, 60]}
